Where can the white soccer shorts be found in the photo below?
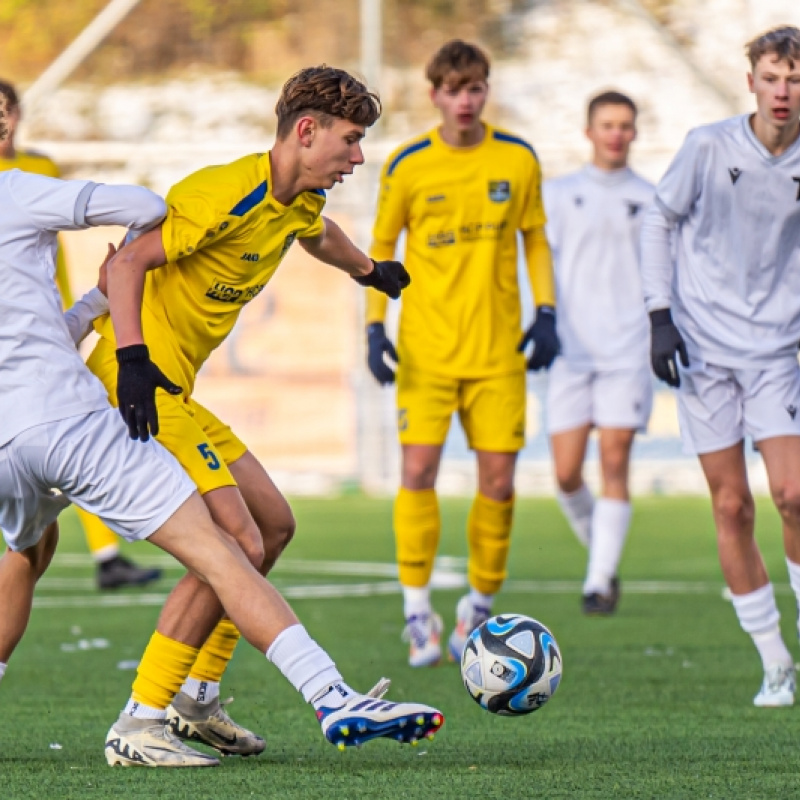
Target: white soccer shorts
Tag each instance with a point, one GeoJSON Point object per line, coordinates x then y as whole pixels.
{"type": "Point", "coordinates": [619, 398]}
{"type": "Point", "coordinates": [719, 406]}
{"type": "Point", "coordinates": [133, 487]}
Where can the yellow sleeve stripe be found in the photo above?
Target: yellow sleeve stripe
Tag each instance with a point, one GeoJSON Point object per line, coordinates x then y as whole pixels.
{"type": "Point", "coordinates": [507, 137]}
{"type": "Point", "coordinates": [405, 152]}
{"type": "Point", "coordinates": [250, 202]}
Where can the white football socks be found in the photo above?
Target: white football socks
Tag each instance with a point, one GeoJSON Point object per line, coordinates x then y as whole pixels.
{"type": "Point", "coordinates": [202, 691]}
{"type": "Point", "coordinates": [307, 666]}
{"type": "Point", "coordinates": [578, 507]}
{"type": "Point", "coordinates": [141, 711]}
{"type": "Point", "coordinates": [794, 580]}
{"type": "Point", "coordinates": [610, 522]}
{"type": "Point", "coordinates": [416, 601]}
{"type": "Point", "coordinates": [759, 616]}
{"type": "Point", "coordinates": [480, 600]}
{"type": "Point", "coordinates": [3, 668]}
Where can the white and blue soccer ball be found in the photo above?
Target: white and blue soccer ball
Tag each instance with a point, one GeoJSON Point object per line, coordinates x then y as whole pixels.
{"type": "Point", "coordinates": [511, 665]}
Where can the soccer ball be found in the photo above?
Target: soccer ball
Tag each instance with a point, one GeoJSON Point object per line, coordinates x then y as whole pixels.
{"type": "Point", "coordinates": [511, 665]}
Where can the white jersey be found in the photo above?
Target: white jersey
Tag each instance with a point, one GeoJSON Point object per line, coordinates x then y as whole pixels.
{"type": "Point", "coordinates": [593, 226]}
{"type": "Point", "coordinates": [734, 288]}
{"type": "Point", "coordinates": [42, 376]}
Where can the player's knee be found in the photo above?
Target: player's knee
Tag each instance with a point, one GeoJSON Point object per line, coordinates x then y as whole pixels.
{"type": "Point", "coordinates": [734, 509]}
{"type": "Point", "coordinates": [40, 556]}
{"type": "Point", "coordinates": [419, 476]}
{"type": "Point", "coordinates": [787, 500]}
{"type": "Point", "coordinates": [569, 480]}
{"type": "Point", "coordinates": [278, 535]}
{"type": "Point", "coordinates": [498, 487]}
{"type": "Point", "coordinates": [615, 465]}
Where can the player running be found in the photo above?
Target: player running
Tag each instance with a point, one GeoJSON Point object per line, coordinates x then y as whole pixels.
{"type": "Point", "coordinates": [729, 307]}
{"type": "Point", "coordinates": [113, 569]}
{"type": "Point", "coordinates": [602, 377]}
{"type": "Point", "coordinates": [462, 191]}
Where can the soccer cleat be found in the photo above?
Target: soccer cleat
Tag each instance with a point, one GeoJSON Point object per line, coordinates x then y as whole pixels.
{"type": "Point", "coordinates": [777, 688]}
{"type": "Point", "coordinates": [468, 617]}
{"type": "Point", "coordinates": [367, 716]}
{"type": "Point", "coordinates": [118, 571]}
{"type": "Point", "coordinates": [133, 742]}
{"type": "Point", "coordinates": [423, 632]}
{"type": "Point", "coordinates": [598, 604]}
{"type": "Point", "coordinates": [208, 723]}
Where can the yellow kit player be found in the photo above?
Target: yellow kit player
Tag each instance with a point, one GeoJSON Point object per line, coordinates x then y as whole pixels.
{"type": "Point", "coordinates": [462, 192]}
{"type": "Point", "coordinates": [182, 287]}
{"type": "Point", "coordinates": [113, 569]}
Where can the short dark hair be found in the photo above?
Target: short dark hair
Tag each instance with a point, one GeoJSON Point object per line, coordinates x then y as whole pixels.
{"type": "Point", "coordinates": [457, 63]}
{"type": "Point", "coordinates": [327, 93]}
{"type": "Point", "coordinates": [609, 98]}
{"type": "Point", "coordinates": [783, 42]}
{"type": "Point", "coordinates": [9, 94]}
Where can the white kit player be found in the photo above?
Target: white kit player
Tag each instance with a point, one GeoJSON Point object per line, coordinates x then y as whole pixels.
{"type": "Point", "coordinates": [58, 432]}
{"type": "Point", "coordinates": [602, 377]}
{"type": "Point", "coordinates": [729, 307]}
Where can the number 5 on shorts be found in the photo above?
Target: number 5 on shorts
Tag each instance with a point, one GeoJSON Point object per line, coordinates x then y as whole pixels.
{"type": "Point", "coordinates": [208, 455]}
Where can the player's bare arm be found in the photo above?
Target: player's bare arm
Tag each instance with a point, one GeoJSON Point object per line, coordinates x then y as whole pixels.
{"type": "Point", "coordinates": [333, 247]}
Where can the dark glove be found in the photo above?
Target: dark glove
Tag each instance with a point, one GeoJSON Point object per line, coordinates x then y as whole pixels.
{"type": "Point", "coordinates": [665, 341]}
{"type": "Point", "coordinates": [545, 340]}
{"type": "Point", "coordinates": [137, 381]}
{"type": "Point", "coordinates": [378, 343]}
{"type": "Point", "coordinates": [389, 277]}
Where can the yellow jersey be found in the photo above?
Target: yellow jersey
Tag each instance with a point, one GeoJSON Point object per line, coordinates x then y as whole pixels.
{"type": "Point", "coordinates": [30, 161]}
{"type": "Point", "coordinates": [462, 208]}
{"type": "Point", "coordinates": [224, 236]}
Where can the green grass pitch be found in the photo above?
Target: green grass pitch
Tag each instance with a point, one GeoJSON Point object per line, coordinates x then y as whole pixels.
{"type": "Point", "coordinates": [654, 703]}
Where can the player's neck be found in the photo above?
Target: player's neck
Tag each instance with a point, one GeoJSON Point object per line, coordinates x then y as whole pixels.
{"type": "Point", "coordinates": [287, 182]}
{"type": "Point", "coordinates": [459, 138]}
{"type": "Point", "coordinates": [776, 139]}
{"type": "Point", "coordinates": [605, 165]}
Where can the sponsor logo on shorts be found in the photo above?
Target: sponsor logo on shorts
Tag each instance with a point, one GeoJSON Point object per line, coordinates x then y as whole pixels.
{"type": "Point", "coordinates": [792, 411]}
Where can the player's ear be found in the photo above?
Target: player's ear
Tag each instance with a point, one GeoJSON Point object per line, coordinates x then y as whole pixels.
{"type": "Point", "coordinates": [306, 128]}
{"type": "Point", "coordinates": [751, 82]}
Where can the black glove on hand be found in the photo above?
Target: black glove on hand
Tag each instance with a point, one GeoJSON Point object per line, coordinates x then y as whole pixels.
{"type": "Point", "coordinates": [137, 381]}
{"type": "Point", "coordinates": [545, 340]}
{"type": "Point", "coordinates": [665, 341]}
{"type": "Point", "coordinates": [389, 277]}
{"type": "Point", "coordinates": [378, 343]}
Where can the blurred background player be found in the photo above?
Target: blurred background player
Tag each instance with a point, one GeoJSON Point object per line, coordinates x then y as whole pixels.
{"type": "Point", "coordinates": [186, 282]}
{"type": "Point", "coordinates": [601, 378]}
{"type": "Point", "coordinates": [732, 194]}
{"type": "Point", "coordinates": [462, 192]}
{"type": "Point", "coordinates": [113, 569]}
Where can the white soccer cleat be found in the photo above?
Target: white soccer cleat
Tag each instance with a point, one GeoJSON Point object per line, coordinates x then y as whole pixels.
{"type": "Point", "coordinates": [468, 617]}
{"type": "Point", "coordinates": [208, 723]}
{"type": "Point", "coordinates": [367, 716]}
{"type": "Point", "coordinates": [778, 687]}
{"type": "Point", "coordinates": [423, 632]}
{"type": "Point", "coordinates": [133, 742]}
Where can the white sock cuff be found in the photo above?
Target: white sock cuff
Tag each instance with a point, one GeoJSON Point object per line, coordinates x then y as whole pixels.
{"type": "Point", "coordinates": [3, 668]}
{"type": "Point", "coordinates": [105, 553]}
{"type": "Point", "coordinates": [141, 711]}
{"type": "Point", "coordinates": [618, 512]}
{"type": "Point", "coordinates": [480, 599]}
{"type": "Point", "coordinates": [757, 611]}
{"type": "Point", "coordinates": [794, 576]}
{"type": "Point", "coordinates": [202, 691]}
{"type": "Point", "coordinates": [302, 661]}
{"type": "Point", "coordinates": [580, 502]}
{"type": "Point", "coordinates": [416, 600]}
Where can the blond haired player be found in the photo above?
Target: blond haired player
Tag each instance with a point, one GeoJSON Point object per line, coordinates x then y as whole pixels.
{"type": "Point", "coordinates": [462, 191]}
{"type": "Point", "coordinates": [602, 377]}
{"type": "Point", "coordinates": [113, 569]}
{"type": "Point", "coordinates": [729, 307]}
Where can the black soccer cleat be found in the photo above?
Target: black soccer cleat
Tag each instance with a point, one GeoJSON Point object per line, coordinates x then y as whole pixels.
{"type": "Point", "coordinates": [118, 572]}
{"type": "Point", "coordinates": [597, 604]}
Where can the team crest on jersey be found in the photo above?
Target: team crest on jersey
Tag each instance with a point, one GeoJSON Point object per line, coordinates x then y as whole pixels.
{"type": "Point", "coordinates": [499, 191]}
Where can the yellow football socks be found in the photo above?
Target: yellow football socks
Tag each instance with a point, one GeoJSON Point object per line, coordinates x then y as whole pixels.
{"type": "Point", "coordinates": [489, 536]}
{"type": "Point", "coordinates": [417, 526]}
{"type": "Point", "coordinates": [99, 537]}
{"type": "Point", "coordinates": [162, 671]}
{"type": "Point", "coordinates": [217, 651]}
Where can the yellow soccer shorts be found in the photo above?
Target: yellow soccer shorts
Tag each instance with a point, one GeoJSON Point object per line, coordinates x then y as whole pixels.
{"type": "Point", "coordinates": [491, 410]}
{"type": "Point", "coordinates": [203, 445]}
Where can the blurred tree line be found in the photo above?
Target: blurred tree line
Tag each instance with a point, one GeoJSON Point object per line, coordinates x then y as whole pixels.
{"type": "Point", "coordinates": [257, 37]}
